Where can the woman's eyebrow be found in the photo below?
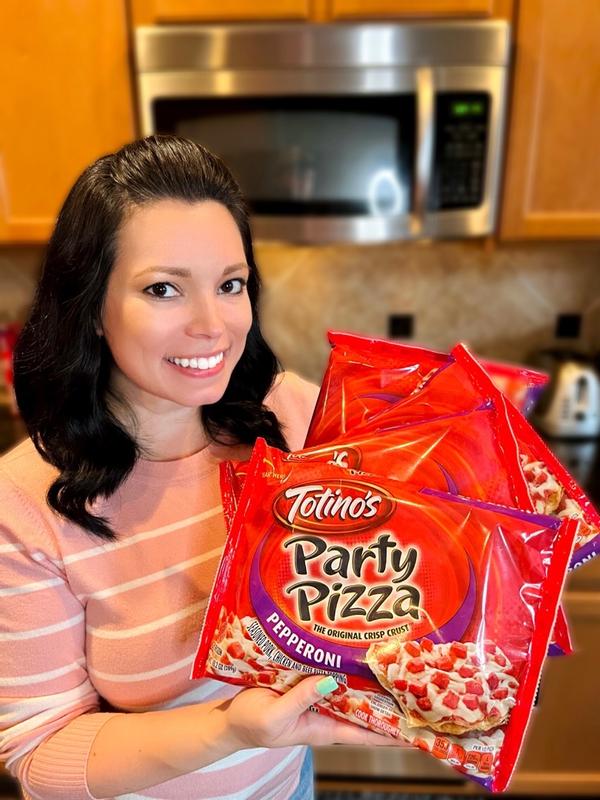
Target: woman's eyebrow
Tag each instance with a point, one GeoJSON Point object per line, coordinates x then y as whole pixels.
{"type": "Point", "coordinates": [182, 272]}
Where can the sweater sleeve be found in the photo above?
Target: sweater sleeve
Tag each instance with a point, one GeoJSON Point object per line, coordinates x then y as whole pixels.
{"type": "Point", "coordinates": [47, 724]}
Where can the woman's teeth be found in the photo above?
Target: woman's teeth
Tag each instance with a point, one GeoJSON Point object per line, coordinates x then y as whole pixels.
{"type": "Point", "coordinates": [198, 363]}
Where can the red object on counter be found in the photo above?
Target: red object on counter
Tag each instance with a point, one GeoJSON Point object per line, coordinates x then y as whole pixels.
{"type": "Point", "coordinates": [9, 333]}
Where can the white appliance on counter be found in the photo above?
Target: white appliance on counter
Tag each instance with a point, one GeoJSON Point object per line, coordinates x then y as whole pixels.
{"type": "Point", "coordinates": [570, 405]}
{"type": "Point", "coordinates": [340, 132]}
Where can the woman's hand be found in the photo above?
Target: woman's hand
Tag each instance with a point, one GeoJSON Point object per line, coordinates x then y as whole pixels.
{"type": "Point", "coordinates": [262, 718]}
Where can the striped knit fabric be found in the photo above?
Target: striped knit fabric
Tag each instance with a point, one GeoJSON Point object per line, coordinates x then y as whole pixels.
{"type": "Point", "coordinates": [82, 621]}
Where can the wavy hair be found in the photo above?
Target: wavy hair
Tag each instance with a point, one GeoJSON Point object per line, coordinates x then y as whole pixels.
{"type": "Point", "coordinates": [62, 367]}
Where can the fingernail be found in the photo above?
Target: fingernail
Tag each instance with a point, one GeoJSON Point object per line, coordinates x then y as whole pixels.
{"type": "Point", "coordinates": [327, 685]}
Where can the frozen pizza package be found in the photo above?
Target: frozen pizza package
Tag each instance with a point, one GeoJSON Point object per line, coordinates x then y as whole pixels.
{"type": "Point", "coordinates": [469, 453]}
{"type": "Point", "coordinates": [521, 385]}
{"type": "Point", "coordinates": [365, 376]}
{"type": "Point", "coordinates": [432, 612]}
{"type": "Point", "coordinates": [551, 489]}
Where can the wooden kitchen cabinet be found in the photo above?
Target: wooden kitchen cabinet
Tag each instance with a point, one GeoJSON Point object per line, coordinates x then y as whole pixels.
{"type": "Point", "coordinates": [151, 12]}
{"type": "Point", "coordinates": [66, 99]}
{"type": "Point", "coordinates": [560, 755]}
{"type": "Point", "coordinates": [553, 160]}
{"type": "Point", "coordinates": [390, 9]}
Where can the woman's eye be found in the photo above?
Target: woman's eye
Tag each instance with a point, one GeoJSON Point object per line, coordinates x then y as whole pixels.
{"type": "Point", "coordinates": [161, 290]}
{"type": "Point", "coordinates": [233, 286]}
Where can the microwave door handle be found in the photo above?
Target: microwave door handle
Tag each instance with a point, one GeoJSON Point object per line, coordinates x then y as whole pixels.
{"type": "Point", "coordinates": [424, 148]}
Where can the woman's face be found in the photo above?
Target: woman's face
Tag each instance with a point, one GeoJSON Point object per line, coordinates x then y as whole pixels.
{"type": "Point", "coordinates": [176, 312]}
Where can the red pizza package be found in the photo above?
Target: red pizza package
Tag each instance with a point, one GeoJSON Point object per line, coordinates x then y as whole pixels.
{"type": "Point", "coordinates": [551, 489]}
{"type": "Point", "coordinates": [522, 386]}
{"type": "Point", "coordinates": [463, 384]}
{"type": "Point", "coordinates": [365, 376]}
{"type": "Point", "coordinates": [473, 454]}
{"type": "Point", "coordinates": [432, 612]}
{"type": "Point", "coordinates": [469, 453]}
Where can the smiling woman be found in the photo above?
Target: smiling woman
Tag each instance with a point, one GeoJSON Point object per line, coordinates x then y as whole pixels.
{"type": "Point", "coordinates": [141, 367]}
{"type": "Point", "coordinates": [138, 270]}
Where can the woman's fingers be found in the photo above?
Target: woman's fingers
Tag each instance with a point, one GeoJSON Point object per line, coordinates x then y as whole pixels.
{"type": "Point", "coordinates": [292, 708]}
{"type": "Point", "coordinates": [329, 731]}
{"type": "Point", "coordinates": [264, 719]}
{"type": "Point", "coordinates": [304, 694]}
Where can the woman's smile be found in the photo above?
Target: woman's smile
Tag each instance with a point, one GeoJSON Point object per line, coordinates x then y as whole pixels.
{"type": "Point", "coordinates": [199, 366]}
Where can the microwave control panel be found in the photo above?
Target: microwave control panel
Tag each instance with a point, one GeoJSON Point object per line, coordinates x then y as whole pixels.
{"type": "Point", "coordinates": [462, 132]}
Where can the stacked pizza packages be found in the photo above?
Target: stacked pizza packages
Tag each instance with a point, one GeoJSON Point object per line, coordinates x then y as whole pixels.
{"type": "Point", "coordinates": [415, 549]}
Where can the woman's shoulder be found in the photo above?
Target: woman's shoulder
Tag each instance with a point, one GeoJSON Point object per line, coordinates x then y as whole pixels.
{"type": "Point", "coordinates": [24, 481]}
{"type": "Point", "coordinates": [24, 467]}
{"type": "Point", "coordinates": [293, 400]}
{"type": "Point", "coordinates": [25, 477]}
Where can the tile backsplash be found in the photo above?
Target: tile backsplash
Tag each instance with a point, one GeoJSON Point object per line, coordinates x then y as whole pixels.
{"type": "Point", "coordinates": [503, 301]}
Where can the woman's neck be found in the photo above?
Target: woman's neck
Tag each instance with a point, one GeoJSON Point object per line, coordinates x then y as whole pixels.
{"type": "Point", "coordinates": [163, 433]}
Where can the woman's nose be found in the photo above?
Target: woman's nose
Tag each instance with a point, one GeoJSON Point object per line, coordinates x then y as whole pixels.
{"type": "Point", "coordinates": [205, 319]}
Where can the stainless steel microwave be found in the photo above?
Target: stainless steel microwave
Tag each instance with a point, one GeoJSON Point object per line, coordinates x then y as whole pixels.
{"type": "Point", "coordinates": [343, 132]}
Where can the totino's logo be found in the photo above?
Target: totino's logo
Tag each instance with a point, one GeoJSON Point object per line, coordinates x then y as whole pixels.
{"type": "Point", "coordinates": [333, 506]}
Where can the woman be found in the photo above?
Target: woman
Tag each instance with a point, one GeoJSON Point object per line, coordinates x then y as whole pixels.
{"type": "Point", "coordinates": [141, 367]}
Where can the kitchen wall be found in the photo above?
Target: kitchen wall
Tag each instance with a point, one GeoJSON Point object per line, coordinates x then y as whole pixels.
{"type": "Point", "coordinates": [503, 301]}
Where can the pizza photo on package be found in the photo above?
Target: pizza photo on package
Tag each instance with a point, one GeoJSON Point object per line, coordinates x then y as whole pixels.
{"type": "Point", "coordinates": [432, 612]}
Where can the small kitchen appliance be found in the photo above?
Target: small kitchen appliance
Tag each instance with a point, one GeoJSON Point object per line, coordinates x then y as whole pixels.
{"type": "Point", "coordinates": [570, 405]}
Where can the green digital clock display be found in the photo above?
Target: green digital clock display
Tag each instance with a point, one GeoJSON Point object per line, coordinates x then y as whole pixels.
{"type": "Point", "coordinates": [462, 108]}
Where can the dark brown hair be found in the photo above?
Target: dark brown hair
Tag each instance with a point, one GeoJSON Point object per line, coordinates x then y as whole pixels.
{"type": "Point", "coordinates": [62, 367]}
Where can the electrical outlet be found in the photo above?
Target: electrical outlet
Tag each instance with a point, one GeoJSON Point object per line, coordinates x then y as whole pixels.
{"type": "Point", "coordinates": [401, 326]}
{"type": "Point", "coordinates": [568, 326]}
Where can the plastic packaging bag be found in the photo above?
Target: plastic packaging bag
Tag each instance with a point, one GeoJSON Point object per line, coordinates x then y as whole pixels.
{"type": "Point", "coordinates": [365, 376]}
{"type": "Point", "coordinates": [433, 612]}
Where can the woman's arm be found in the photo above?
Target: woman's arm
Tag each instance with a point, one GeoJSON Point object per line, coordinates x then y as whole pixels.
{"type": "Point", "coordinates": [134, 751]}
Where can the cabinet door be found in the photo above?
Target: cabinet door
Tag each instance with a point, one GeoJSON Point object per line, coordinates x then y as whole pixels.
{"type": "Point", "coordinates": [560, 755]}
{"type": "Point", "coordinates": [553, 163]}
{"type": "Point", "coordinates": [346, 9]}
{"type": "Point", "coordinates": [150, 12]}
{"type": "Point", "coordinates": [66, 100]}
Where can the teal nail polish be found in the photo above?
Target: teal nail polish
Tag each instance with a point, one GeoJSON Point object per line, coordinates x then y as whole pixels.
{"type": "Point", "coordinates": [327, 685]}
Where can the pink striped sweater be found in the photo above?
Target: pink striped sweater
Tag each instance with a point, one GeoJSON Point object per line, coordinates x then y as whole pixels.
{"type": "Point", "coordinates": [85, 625]}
